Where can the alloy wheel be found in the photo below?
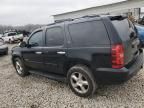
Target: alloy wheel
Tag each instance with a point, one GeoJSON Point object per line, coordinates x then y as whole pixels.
{"type": "Point", "coordinates": [18, 67]}
{"type": "Point", "coordinates": [79, 82]}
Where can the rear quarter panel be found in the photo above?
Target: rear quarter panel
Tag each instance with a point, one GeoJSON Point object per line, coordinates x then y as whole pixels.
{"type": "Point", "coordinates": [96, 56]}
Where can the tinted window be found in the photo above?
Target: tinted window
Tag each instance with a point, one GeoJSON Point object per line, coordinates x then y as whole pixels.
{"type": "Point", "coordinates": [54, 36]}
{"type": "Point", "coordinates": [88, 34]}
{"type": "Point", "coordinates": [36, 38]}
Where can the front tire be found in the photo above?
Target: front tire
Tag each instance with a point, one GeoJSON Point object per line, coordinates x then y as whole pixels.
{"type": "Point", "coordinates": [81, 81]}
{"type": "Point", "coordinates": [20, 68]}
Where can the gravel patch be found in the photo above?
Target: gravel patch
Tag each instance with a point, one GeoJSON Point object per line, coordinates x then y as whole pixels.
{"type": "Point", "coordinates": [39, 92]}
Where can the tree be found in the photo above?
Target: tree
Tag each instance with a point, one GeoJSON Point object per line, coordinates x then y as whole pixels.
{"type": "Point", "coordinates": [27, 28]}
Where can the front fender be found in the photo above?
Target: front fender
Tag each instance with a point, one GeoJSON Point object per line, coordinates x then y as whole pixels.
{"type": "Point", "coordinates": [15, 54]}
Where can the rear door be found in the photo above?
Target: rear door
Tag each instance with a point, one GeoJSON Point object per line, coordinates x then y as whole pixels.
{"type": "Point", "coordinates": [55, 50]}
{"type": "Point", "coordinates": [128, 34]}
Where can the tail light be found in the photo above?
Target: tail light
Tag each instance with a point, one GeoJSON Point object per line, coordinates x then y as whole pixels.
{"type": "Point", "coordinates": [117, 56]}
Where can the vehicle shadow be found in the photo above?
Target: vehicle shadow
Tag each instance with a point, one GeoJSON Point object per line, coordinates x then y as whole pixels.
{"type": "Point", "coordinates": [3, 55]}
{"type": "Point", "coordinates": [130, 91]}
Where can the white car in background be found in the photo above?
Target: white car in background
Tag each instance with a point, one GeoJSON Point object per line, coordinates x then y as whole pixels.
{"type": "Point", "coordinates": [12, 37]}
{"type": "Point", "coordinates": [1, 35]}
{"type": "Point", "coordinates": [3, 47]}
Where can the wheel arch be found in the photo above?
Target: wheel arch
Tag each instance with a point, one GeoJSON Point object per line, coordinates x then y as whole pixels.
{"type": "Point", "coordinates": [71, 63]}
{"type": "Point", "coordinates": [14, 57]}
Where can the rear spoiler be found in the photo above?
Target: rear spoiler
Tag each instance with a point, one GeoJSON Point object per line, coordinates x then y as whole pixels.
{"type": "Point", "coordinates": [120, 17]}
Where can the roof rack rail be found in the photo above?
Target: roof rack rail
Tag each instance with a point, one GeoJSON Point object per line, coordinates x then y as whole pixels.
{"type": "Point", "coordinates": [70, 19]}
{"type": "Point", "coordinates": [93, 15]}
{"type": "Point", "coordinates": [112, 17]}
{"type": "Point", "coordinates": [87, 16]}
{"type": "Point", "coordinates": [59, 21]}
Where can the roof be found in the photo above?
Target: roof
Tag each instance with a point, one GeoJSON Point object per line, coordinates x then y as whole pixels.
{"type": "Point", "coordinates": [88, 17]}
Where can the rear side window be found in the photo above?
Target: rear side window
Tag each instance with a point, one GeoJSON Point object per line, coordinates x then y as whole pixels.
{"type": "Point", "coordinates": [123, 28]}
{"type": "Point", "coordinates": [88, 34]}
{"type": "Point", "coordinates": [54, 37]}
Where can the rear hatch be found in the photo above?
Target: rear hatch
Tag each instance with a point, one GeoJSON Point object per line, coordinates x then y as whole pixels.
{"type": "Point", "coordinates": [128, 34]}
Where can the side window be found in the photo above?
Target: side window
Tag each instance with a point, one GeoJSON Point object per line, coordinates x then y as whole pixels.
{"type": "Point", "coordinates": [36, 38]}
{"type": "Point", "coordinates": [54, 36]}
{"type": "Point", "coordinates": [87, 34]}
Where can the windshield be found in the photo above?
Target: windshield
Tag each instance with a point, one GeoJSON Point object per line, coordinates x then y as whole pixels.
{"type": "Point", "coordinates": [12, 34]}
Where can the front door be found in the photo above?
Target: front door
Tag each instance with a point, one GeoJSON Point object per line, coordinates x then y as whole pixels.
{"type": "Point", "coordinates": [33, 55]}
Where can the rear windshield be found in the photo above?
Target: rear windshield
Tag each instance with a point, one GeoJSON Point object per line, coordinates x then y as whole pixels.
{"type": "Point", "coordinates": [123, 28]}
{"type": "Point", "coordinates": [90, 33]}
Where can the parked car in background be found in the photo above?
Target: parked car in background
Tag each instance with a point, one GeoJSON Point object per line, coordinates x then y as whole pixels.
{"type": "Point", "coordinates": [141, 21]}
{"type": "Point", "coordinates": [1, 35]}
{"type": "Point", "coordinates": [140, 30]}
{"type": "Point", "coordinates": [82, 52]}
{"type": "Point", "coordinates": [3, 47]}
{"type": "Point", "coordinates": [12, 37]}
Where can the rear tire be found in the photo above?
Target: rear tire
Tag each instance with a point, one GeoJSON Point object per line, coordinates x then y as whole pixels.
{"type": "Point", "coordinates": [81, 81]}
{"type": "Point", "coordinates": [20, 68]}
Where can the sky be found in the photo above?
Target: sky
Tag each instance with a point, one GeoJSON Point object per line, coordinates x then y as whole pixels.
{"type": "Point", "coordinates": [22, 12]}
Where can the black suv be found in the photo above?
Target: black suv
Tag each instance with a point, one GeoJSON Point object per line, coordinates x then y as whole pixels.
{"type": "Point", "coordinates": [82, 52]}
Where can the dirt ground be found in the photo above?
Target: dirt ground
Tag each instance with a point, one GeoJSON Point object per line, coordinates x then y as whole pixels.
{"type": "Point", "coordinates": [39, 92]}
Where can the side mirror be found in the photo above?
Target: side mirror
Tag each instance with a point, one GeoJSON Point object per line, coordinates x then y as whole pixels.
{"type": "Point", "coordinates": [22, 44]}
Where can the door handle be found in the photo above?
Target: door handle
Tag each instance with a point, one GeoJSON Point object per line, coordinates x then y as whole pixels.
{"type": "Point", "coordinates": [61, 52]}
{"type": "Point", "coordinates": [38, 53]}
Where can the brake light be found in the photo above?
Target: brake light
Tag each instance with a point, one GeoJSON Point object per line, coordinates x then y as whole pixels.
{"type": "Point", "coordinates": [117, 56]}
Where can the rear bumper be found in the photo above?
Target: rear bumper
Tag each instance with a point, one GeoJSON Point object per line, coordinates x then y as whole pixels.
{"type": "Point", "coordinates": [123, 74]}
